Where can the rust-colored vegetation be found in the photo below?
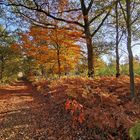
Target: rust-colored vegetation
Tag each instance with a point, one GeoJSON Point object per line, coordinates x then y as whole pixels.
{"type": "Point", "coordinates": [98, 109]}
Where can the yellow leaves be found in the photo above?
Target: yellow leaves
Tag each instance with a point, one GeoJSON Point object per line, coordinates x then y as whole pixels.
{"type": "Point", "coordinates": [99, 64]}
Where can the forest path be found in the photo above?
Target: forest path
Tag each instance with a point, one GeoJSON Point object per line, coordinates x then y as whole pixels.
{"type": "Point", "coordinates": [27, 115]}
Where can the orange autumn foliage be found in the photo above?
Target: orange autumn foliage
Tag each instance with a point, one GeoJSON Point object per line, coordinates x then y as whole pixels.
{"type": "Point", "coordinates": [101, 105]}
{"type": "Point", "coordinates": [57, 49]}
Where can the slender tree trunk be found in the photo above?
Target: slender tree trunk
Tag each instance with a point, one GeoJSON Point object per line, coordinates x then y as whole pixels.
{"type": "Point", "coordinates": [130, 54]}
{"type": "Point", "coordinates": [117, 44]}
{"type": "Point", "coordinates": [58, 61]}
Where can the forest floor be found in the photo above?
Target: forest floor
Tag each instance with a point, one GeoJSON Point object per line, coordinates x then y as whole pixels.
{"type": "Point", "coordinates": [65, 109]}
{"type": "Point", "coordinates": [26, 115]}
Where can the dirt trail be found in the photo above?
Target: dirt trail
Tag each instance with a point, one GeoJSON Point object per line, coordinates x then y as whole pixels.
{"type": "Point", "coordinates": [26, 115]}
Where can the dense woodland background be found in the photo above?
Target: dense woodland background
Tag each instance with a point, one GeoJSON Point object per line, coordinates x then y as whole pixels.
{"type": "Point", "coordinates": [81, 46]}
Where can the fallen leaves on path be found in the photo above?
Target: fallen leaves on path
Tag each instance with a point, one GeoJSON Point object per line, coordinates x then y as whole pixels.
{"type": "Point", "coordinates": [68, 109]}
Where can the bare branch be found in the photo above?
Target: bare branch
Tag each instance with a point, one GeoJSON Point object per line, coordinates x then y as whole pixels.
{"type": "Point", "coordinates": [46, 13]}
{"type": "Point", "coordinates": [90, 5]}
{"type": "Point", "coordinates": [101, 23]}
{"type": "Point", "coordinates": [94, 18]}
{"type": "Point", "coordinates": [123, 11]}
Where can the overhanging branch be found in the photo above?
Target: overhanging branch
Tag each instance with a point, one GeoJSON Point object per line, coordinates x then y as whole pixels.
{"type": "Point", "coordinates": [101, 23]}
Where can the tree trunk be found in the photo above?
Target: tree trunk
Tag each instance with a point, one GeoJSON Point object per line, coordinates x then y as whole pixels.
{"type": "Point", "coordinates": [58, 61]}
{"type": "Point", "coordinates": [130, 54]}
{"type": "Point", "coordinates": [117, 44]}
{"type": "Point", "coordinates": [88, 37]}
{"type": "Point", "coordinates": [90, 54]}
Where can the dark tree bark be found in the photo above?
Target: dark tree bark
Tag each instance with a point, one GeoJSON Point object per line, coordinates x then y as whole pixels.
{"type": "Point", "coordinates": [90, 56]}
{"type": "Point", "coordinates": [88, 37]}
{"type": "Point", "coordinates": [130, 54]}
{"type": "Point", "coordinates": [117, 43]}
